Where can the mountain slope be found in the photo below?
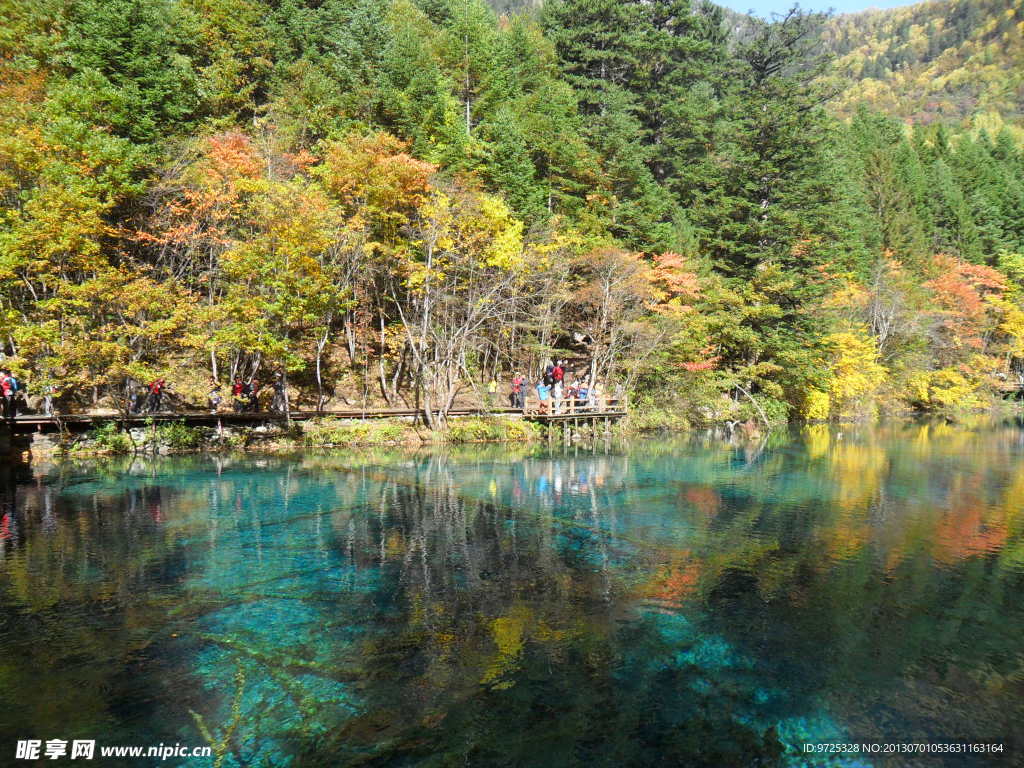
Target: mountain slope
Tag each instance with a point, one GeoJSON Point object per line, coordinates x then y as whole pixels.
{"type": "Point", "coordinates": [946, 59]}
{"type": "Point", "coordinates": [934, 60]}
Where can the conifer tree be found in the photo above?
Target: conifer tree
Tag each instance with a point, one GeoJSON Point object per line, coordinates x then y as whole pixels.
{"type": "Point", "coordinates": [772, 182]}
{"type": "Point", "coordinates": [600, 46]}
{"type": "Point", "coordinates": [142, 52]}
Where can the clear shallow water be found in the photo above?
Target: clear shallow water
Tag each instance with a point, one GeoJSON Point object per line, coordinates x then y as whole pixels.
{"type": "Point", "coordinates": [662, 603]}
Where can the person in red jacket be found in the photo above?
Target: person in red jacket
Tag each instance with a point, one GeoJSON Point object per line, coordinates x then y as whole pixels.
{"type": "Point", "coordinates": [515, 397]}
{"type": "Point", "coordinates": [8, 387]}
{"type": "Point", "coordinates": [237, 401]}
{"type": "Point", "coordinates": [156, 394]}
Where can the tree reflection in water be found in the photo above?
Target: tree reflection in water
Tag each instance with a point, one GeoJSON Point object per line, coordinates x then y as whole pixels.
{"type": "Point", "coordinates": [688, 602]}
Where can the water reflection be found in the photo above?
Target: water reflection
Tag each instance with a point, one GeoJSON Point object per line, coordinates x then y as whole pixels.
{"type": "Point", "coordinates": [686, 602]}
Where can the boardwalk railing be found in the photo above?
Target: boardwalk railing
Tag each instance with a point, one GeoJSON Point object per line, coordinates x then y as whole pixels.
{"type": "Point", "coordinates": [568, 407]}
{"type": "Point", "coordinates": [29, 422]}
{"type": "Point", "coordinates": [610, 408]}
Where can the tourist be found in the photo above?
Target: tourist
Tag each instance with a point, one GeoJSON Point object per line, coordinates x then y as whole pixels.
{"type": "Point", "coordinates": [132, 401]}
{"type": "Point", "coordinates": [492, 391]}
{"type": "Point", "coordinates": [544, 395]}
{"type": "Point", "coordinates": [278, 403]}
{"type": "Point", "coordinates": [558, 372]}
{"type": "Point", "coordinates": [557, 377]}
{"type": "Point", "coordinates": [582, 393]}
{"type": "Point", "coordinates": [246, 396]}
{"type": "Point", "coordinates": [571, 393]}
{"type": "Point", "coordinates": [8, 390]}
{"type": "Point", "coordinates": [515, 397]}
{"type": "Point", "coordinates": [214, 397]}
{"type": "Point", "coordinates": [596, 397]}
{"type": "Point", "coordinates": [49, 391]}
{"type": "Point", "coordinates": [254, 395]}
{"type": "Point", "coordinates": [15, 393]}
{"type": "Point", "coordinates": [237, 401]}
{"type": "Point", "coordinates": [156, 394]}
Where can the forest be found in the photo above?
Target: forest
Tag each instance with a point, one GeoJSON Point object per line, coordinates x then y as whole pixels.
{"type": "Point", "coordinates": [392, 201]}
{"type": "Point", "coordinates": [932, 60]}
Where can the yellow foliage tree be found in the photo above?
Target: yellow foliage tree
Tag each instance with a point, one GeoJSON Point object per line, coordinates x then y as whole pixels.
{"type": "Point", "coordinates": [855, 375]}
{"type": "Point", "coordinates": [944, 389]}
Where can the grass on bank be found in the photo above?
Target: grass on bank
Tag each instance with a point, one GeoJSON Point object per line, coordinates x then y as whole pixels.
{"type": "Point", "coordinates": [330, 432]}
{"type": "Point", "coordinates": [475, 430]}
{"type": "Point", "coordinates": [326, 433]}
{"type": "Point", "coordinates": [109, 438]}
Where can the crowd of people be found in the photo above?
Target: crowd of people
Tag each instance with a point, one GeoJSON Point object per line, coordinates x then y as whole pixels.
{"type": "Point", "coordinates": [152, 397]}
{"type": "Point", "coordinates": [245, 395]}
{"type": "Point", "coordinates": [558, 390]}
{"type": "Point", "coordinates": [149, 400]}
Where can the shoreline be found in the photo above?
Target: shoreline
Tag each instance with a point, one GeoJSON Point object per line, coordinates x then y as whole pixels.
{"type": "Point", "coordinates": [172, 437]}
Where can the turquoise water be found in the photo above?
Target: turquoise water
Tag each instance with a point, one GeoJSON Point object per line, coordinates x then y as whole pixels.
{"type": "Point", "coordinates": [661, 603]}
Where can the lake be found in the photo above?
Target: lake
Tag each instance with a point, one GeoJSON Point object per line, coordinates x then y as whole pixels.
{"type": "Point", "coordinates": [664, 602]}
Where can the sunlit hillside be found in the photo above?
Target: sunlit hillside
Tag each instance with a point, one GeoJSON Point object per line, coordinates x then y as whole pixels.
{"type": "Point", "coordinates": [932, 60]}
{"type": "Point", "coordinates": [946, 59]}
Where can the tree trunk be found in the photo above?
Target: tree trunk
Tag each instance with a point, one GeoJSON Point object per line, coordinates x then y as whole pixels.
{"type": "Point", "coordinates": [320, 344]}
{"type": "Point", "coordinates": [350, 339]}
{"type": "Point", "coordinates": [380, 365]}
{"type": "Point", "coordinates": [287, 403]}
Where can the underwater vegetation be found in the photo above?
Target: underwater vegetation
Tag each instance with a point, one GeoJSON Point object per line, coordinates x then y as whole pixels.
{"type": "Point", "coordinates": [688, 602]}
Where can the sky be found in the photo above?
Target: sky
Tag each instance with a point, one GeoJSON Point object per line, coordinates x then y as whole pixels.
{"type": "Point", "coordinates": [767, 7]}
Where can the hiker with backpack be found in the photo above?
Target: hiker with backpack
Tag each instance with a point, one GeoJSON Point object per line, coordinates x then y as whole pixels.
{"type": "Point", "coordinates": [49, 392]}
{"type": "Point", "coordinates": [131, 398]}
{"type": "Point", "coordinates": [582, 393]}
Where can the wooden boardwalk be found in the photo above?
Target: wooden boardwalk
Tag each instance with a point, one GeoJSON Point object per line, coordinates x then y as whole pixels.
{"type": "Point", "coordinates": [1012, 390]}
{"type": "Point", "coordinates": [29, 423]}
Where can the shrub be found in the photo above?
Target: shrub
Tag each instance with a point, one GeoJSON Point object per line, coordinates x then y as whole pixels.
{"type": "Point", "coordinates": [472, 430]}
{"type": "Point", "coordinates": [855, 373]}
{"type": "Point", "coordinates": [655, 419]}
{"type": "Point", "coordinates": [238, 438]}
{"type": "Point", "coordinates": [944, 390]}
{"type": "Point", "coordinates": [178, 436]}
{"type": "Point", "coordinates": [817, 405]}
{"type": "Point", "coordinates": [336, 432]}
{"type": "Point", "coordinates": [519, 430]}
{"type": "Point", "coordinates": [109, 438]}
